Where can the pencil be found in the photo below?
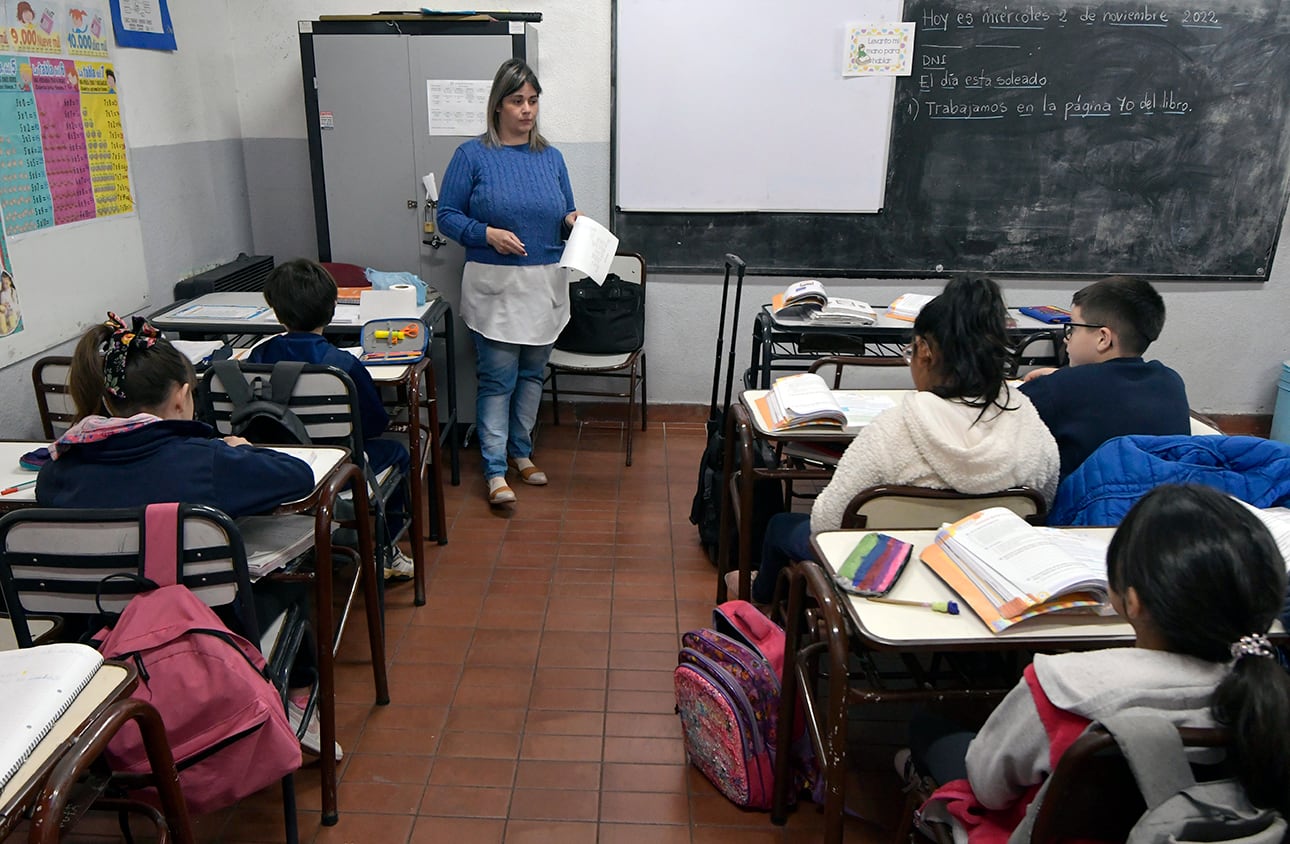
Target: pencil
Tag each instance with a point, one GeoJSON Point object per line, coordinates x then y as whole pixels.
{"type": "Point", "coordinates": [17, 487]}
{"type": "Point", "coordinates": [949, 607]}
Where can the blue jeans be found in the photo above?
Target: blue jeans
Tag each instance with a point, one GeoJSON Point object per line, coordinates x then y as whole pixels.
{"type": "Point", "coordinates": [788, 539]}
{"type": "Point", "coordinates": [506, 406]}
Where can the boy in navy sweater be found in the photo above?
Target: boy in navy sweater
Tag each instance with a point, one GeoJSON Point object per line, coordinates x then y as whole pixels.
{"type": "Point", "coordinates": [1109, 390]}
{"type": "Point", "coordinates": [303, 296]}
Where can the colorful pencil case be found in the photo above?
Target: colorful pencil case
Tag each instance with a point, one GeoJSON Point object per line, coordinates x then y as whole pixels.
{"type": "Point", "coordinates": [874, 566]}
{"type": "Point", "coordinates": [1047, 313]}
{"type": "Point", "coordinates": [394, 341]}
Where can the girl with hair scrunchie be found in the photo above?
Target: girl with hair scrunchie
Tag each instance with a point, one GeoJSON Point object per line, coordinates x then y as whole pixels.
{"type": "Point", "coordinates": [1200, 579]}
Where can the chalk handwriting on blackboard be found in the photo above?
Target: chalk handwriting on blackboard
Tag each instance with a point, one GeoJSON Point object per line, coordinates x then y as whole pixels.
{"type": "Point", "coordinates": [1049, 138]}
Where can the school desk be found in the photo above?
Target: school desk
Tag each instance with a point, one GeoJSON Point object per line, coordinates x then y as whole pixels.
{"type": "Point", "coordinates": [790, 344]}
{"type": "Point", "coordinates": [745, 427]}
{"type": "Point", "coordinates": [846, 627]}
{"type": "Point", "coordinates": [333, 472]}
{"type": "Point", "coordinates": [41, 787]}
{"type": "Point", "coordinates": [245, 313]}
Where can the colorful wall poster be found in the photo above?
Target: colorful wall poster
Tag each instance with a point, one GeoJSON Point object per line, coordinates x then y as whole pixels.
{"type": "Point", "coordinates": [62, 133]}
{"type": "Point", "coordinates": [10, 309]}
{"type": "Point", "coordinates": [86, 29]}
{"type": "Point", "coordinates": [104, 140]}
{"type": "Point", "coordinates": [878, 49]}
{"type": "Point", "coordinates": [24, 190]}
{"type": "Point", "coordinates": [35, 26]}
{"type": "Point", "coordinates": [143, 23]}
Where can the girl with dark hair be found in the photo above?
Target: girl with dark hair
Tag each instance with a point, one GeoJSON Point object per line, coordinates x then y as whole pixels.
{"type": "Point", "coordinates": [1200, 579]}
{"type": "Point", "coordinates": [507, 199]}
{"type": "Point", "coordinates": [135, 441]}
{"type": "Point", "coordinates": [962, 429]}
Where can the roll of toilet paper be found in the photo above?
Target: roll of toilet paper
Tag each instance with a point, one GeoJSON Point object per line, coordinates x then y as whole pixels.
{"type": "Point", "coordinates": [399, 301]}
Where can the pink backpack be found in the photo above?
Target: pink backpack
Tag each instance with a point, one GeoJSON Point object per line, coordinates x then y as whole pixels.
{"type": "Point", "coordinates": [727, 685]}
{"type": "Point", "coordinates": [225, 721]}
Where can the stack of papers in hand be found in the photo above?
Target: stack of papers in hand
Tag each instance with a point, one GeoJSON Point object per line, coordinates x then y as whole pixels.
{"type": "Point", "coordinates": [1008, 570]}
{"type": "Point", "coordinates": [908, 305]}
{"type": "Point", "coordinates": [804, 401]}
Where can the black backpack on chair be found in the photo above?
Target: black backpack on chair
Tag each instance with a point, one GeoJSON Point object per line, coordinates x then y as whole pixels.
{"type": "Point", "coordinates": [264, 419]}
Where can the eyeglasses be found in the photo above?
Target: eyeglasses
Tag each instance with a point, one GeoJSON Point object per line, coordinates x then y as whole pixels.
{"type": "Point", "coordinates": [907, 352]}
{"type": "Point", "coordinates": [1069, 328]}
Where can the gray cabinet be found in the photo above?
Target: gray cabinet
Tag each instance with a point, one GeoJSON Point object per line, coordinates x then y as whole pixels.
{"type": "Point", "coordinates": [366, 106]}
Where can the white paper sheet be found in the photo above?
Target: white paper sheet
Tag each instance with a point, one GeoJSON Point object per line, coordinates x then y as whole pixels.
{"type": "Point", "coordinates": [457, 106]}
{"type": "Point", "coordinates": [590, 249]}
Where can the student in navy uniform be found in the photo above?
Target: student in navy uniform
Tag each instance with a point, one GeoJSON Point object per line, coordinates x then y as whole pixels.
{"type": "Point", "coordinates": [1109, 390]}
{"type": "Point", "coordinates": [303, 296]}
{"type": "Point", "coordinates": [135, 443]}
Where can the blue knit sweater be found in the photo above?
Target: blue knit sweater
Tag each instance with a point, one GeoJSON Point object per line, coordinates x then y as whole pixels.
{"type": "Point", "coordinates": [509, 187]}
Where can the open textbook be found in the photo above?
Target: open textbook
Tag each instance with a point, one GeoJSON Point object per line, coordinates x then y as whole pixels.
{"type": "Point", "coordinates": [807, 299]}
{"type": "Point", "coordinates": [1008, 570]}
{"type": "Point", "coordinates": [37, 685]}
{"type": "Point", "coordinates": [804, 401]}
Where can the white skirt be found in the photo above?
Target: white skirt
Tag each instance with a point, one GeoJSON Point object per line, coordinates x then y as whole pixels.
{"type": "Point", "coordinates": [528, 305]}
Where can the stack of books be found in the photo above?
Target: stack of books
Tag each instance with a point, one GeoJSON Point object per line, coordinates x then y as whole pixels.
{"type": "Point", "coordinates": [1008, 570]}
{"type": "Point", "coordinates": [807, 299]}
{"type": "Point", "coordinates": [805, 402]}
{"type": "Point", "coordinates": [907, 306]}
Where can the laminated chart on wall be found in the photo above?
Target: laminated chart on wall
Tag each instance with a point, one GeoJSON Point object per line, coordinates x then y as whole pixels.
{"type": "Point", "coordinates": [62, 148]}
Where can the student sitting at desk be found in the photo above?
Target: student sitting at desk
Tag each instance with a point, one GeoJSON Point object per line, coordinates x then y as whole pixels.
{"type": "Point", "coordinates": [963, 429]}
{"type": "Point", "coordinates": [1201, 581]}
{"type": "Point", "coordinates": [1109, 390]}
{"type": "Point", "coordinates": [303, 297]}
{"type": "Point", "coordinates": [135, 443]}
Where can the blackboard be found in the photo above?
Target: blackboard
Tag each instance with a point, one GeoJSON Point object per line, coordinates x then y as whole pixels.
{"type": "Point", "coordinates": [1049, 139]}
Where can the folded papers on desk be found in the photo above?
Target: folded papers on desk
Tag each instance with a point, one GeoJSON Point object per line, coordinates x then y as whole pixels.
{"type": "Point", "coordinates": [273, 541]}
{"type": "Point", "coordinates": [1008, 570]}
{"type": "Point", "coordinates": [804, 401]}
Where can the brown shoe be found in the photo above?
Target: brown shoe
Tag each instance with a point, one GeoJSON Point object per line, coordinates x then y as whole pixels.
{"type": "Point", "coordinates": [500, 494]}
{"type": "Point", "coordinates": [531, 475]}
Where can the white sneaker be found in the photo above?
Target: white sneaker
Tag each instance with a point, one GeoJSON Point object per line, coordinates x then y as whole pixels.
{"type": "Point", "coordinates": [310, 739]}
{"type": "Point", "coordinates": [399, 568]}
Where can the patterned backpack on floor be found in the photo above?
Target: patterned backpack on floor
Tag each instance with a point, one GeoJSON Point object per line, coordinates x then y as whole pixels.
{"type": "Point", "coordinates": [727, 694]}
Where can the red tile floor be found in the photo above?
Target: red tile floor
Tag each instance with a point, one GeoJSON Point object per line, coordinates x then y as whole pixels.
{"type": "Point", "coordinates": [532, 695]}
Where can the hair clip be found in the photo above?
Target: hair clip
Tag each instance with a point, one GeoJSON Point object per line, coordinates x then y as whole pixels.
{"type": "Point", "coordinates": [1256, 644]}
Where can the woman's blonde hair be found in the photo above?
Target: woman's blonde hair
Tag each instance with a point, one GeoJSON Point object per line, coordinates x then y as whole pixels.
{"type": "Point", "coordinates": [513, 75]}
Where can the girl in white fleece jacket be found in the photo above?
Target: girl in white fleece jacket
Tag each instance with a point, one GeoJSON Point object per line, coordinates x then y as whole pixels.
{"type": "Point", "coordinates": [964, 429]}
{"type": "Point", "coordinates": [1201, 580]}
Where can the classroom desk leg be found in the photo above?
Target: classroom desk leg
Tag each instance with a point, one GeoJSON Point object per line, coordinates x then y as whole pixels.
{"type": "Point", "coordinates": [416, 488]}
{"type": "Point", "coordinates": [48, 814]}
{"type": "Point", "coordinates": [434, 475]}
{"type": "Point", "coordinates": [327, 645]}
{"type": "Point", "coordinates": [450, 361]}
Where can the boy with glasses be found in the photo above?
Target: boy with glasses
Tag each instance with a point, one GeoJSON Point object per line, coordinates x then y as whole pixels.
{"type": "Point", "coordinates": [1109, 390]}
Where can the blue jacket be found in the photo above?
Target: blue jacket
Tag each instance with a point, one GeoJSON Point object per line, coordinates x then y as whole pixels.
{"type": "Point", "coordinates": [1084, 406]}
{"type": "Point", "coordinates": [173, 460]}
{"type": "Point", "coordinates": [1103, 489]}
{"type": "Point", "coordinates": [307, 347]}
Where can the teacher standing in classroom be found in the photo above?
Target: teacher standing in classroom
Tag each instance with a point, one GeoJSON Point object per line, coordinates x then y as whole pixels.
{"type": "Point", "coordinates": [506, 198]}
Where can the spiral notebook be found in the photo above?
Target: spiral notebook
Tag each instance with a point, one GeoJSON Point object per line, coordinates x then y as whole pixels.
{"type": "Point", "coordinates": [37, 685]}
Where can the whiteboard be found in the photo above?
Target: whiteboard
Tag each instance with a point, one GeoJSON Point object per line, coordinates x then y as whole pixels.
{"type": "Point", "coordinates": [740, 105]}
